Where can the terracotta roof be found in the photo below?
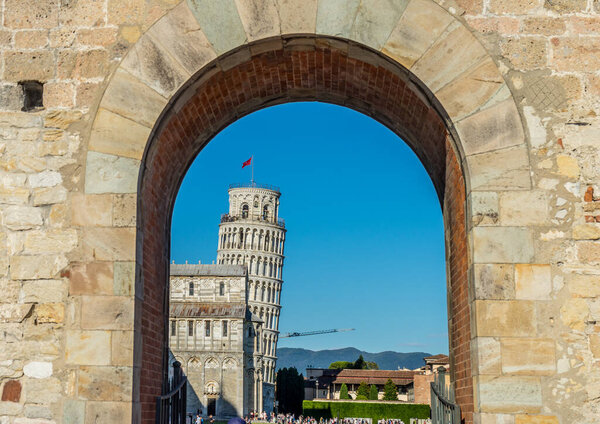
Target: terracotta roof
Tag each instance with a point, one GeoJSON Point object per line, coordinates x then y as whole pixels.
{"type": "Point", "coordinates": [440, 359]}
{"type": "Point", "coordinates": [209, 270]}
{"type": "Point", "coordinates": [201, 310]}
{"type": "Point", "coordinates": [380, 377]}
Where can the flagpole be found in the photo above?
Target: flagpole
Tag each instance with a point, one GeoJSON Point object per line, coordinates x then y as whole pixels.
{"type": "Point", "coordinates": [252, 162]}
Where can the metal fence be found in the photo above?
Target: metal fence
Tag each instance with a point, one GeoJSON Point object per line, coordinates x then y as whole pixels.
{"type": "Point", "coordinates": [444, 410]}
{"type": "Point", "coordinates": [170, 408]}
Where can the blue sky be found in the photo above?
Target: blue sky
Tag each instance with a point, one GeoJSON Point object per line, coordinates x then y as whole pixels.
{"type": "Point", "coordinates": [365, 242]}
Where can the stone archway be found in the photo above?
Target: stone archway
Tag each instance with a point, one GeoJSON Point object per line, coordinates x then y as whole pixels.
{"type": "Point", "coordinates": [417, 70]}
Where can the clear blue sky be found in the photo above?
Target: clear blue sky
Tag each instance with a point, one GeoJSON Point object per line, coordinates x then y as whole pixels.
{"type": "Point", "coordinates": [365, 242]}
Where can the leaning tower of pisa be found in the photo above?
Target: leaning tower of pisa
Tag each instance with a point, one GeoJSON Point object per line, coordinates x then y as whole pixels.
{"type": "Point", "coordinates": [253, 234]}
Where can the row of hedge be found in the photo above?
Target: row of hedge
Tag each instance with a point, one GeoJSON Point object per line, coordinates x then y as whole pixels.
{"type": "Point", "coordinates": [373, 410]}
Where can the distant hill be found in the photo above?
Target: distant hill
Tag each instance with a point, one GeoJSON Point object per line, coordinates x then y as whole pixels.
{"type": "Point", "coordinates": [388, 360]}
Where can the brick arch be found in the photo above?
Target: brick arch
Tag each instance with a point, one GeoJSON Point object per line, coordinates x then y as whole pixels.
{"type": "Point", "coordinates": [299, 69]}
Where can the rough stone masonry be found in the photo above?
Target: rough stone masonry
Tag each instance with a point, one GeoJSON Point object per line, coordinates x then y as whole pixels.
{"type": "Point", "coordinates": [516, 83]}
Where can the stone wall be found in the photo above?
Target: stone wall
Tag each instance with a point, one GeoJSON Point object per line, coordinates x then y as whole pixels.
{"type": "Point", "coordinates": [514, 83]}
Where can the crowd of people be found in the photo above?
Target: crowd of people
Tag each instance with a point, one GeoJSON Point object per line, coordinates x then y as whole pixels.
{"type": "Point", "coordinates": [292, 419]}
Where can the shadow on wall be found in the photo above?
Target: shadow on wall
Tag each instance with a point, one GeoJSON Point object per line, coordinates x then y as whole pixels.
{"type": "Point", "coordinates": [194, 404]}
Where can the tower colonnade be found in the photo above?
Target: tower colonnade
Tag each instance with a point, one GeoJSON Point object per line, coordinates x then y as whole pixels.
{"type": "Point", "coordinates": [252, 234]}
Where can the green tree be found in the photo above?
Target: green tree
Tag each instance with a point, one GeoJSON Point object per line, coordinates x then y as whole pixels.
{"type": "Point", "coordinates": [363, 391]}
{"type": "Point", "coordinates": [389, 390]}
{"type": "Point", "coordinates": [372, 365]}
{"type": "Point", "coordinates": [344, 392]}
{"type": "Point", "coordinates": [290, 390]}
{"type": "Point", "coordinates": [340, 365]}
{"type": "Point", "coordinates": [373, 393]}
{"type": "Point", "coordinates": [359, 364]}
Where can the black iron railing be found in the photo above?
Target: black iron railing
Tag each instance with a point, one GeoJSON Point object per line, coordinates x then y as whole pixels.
{"type": "Point", "coordinates": [170, 408]}
{"type": "Point", "coordinates": [443, 408]}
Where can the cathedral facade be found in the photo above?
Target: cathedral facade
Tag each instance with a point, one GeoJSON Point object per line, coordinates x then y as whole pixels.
{"type": "Point", "coordinates": [224, 318]}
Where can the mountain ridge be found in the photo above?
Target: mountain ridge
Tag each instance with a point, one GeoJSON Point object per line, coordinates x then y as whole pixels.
{"type": "Point", "coordinates": [390, 360]}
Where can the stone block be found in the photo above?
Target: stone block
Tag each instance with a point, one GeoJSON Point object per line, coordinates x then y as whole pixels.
{"type": "Point", "coordinates": [110, 174]}
{"type": "Point", "coordinates": [567, 166]}
{"type": "Point", "coordinates": [505, 318]}
{"type": "Point", "coordinates": [59, 95]}
{"type": "Point", "coordinates": [37, 267]}
{"type": "Point", "coordinates": [36, 65]}
{"type": "Point", "coordinates": [52, 241]}
{"type": "Point", "coordinates": [509, 394]}
{"type": "Point", "coordinates": [42, 392]}
{"type": "Point", "coordinates": [10, 312]}
{"type": "Point", "coordinates": [528, 356]}
{"type": "Point", "coordinates": [11, 408]}
{"type": "Point", "coordinates": [152, 64]}
{"type": "Point", "coordinates": [22, 218]}
{"type": "Point", "coordinates": [109, 244]}
{"type": "Point", "coordinates": [375, 20]}
{"type": "Point", "coordinates": [50, 313]}
{"type": "Point", "coordinates": [97, 37]}
{"type": "Point", "coordinates": [11, 97]}
{"type": "Point", "coordinates": [125, 12]}
{"type": "Point", "coordinates": [93, 63]}
{"type": "Point", "coordinates": [91, 210]}
{"type": "Point", "coordinates": [484, 208]}
{"type": "Point", "coordinates": [44, 196]}
{"type": "Point", "coordinates": [36, 411]}
{"type": "Point", "coordinates": [525, 53]}
{"type": "Point", "coordinates": [595, 345]}
{"type": "Point", "coordinates": [586, 232]}
{"type": "Point", "coordinates": [28, 420]}
{"type": "Point", "coordinates": [533, 282]}
{"type": "Point", "coordinates": [220, 22]}
{"type": "Point", "coordinates": [130, 98]}
{"type": "Point", "coordinates": [93, 278]}
{"type": "Point", "coordinates": [419, 27]}
{"type": "Point", "coordinates": [107, 313]}
{"type": "Point", "coordinates": [14, 196]}
{"type": "Point", "coordinates": [38, 369]}
{"type": "Point", "coordinates": [588, 252]}
{"type": "Point", "coordinates": [88, 13]}
{"type": "Point", "coordinates": [486, 355]}
{"type": "Point", "coordinates": [494, 281]}
{"type": "Point", "coordinates": [524, 208]}
{"type": "Point", "coordinates": [122, 348]}
{"type": "Point", "coordinates": [43, 291]}
{"type": "Point", "coordinates": [482, 83]}
{"type": "Point", "coordinates": [502, 245]}
{"type": "Point", "coordinates": [61, 119]}
{"type": "Point", "coordinates": [574, 54]}
{"type": "Point", "coordinates": [45, 179]}
{"type": "Point", "coordinates": [513, 7]}
{"type": "Point", "coordinates": [297, 17]}
{"type": "Point", "coordinates": [536, 419]}
{"type": "Point", "coordinates": [260, 18]}
{"type": "Point", "coordinates": [31, 13]}
{"type": "Point", "coordinates": [582, 285]}
{"type": "Point", "coordinates": [11, 392]}
{"type": "Point", "coordinates": [574, 313]}
{"type": "Point", "coordinates": [448, 58]}
{"type": "Point", "coordinates": [115, 135]}
{"type": "Point", "coordinates": [108, 412]}
{"type": "Point", "coordinates": [181, 35]}
{"type": "Point", "coordinates": [74, 411]}
{"type": "Point", "coordinates": [336, 17]}
{"type": "Point", "coordinates": [493, 128]}
{"type": "Point", "coordinates": [124, 278]}
{"type": "Point", "coordinates": [506, 169]}
{"type": "Point", "coordinates": [105, 383]}
{"type": "Point", "coordinates": [88, 347]}
{"type": "Point", "coordinates": [124, 210]}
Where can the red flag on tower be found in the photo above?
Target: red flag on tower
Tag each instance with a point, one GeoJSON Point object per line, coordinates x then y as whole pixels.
{"type": "Point", "coordinates": [248, 162]}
